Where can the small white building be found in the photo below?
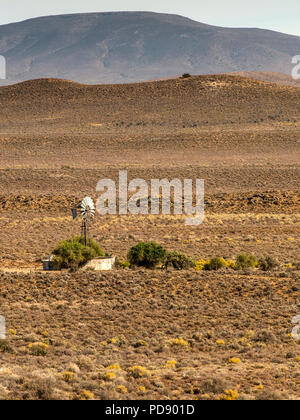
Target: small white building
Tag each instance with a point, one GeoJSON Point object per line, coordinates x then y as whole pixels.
{"type": "Point", "coordinates": [100, 264]}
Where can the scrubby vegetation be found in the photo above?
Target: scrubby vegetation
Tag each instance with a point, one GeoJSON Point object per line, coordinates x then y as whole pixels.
{"type": "Point", "coordinates": [151, 255]}
{"type": "Point", "coordinates": [242, 261]}
{"type": "Point", "coordinates": [267, 264]}
{"type": "Point", "coordinates": [214, 264]}
{"type": "Point", "coordinates": [122, 264]}
{"type": "Point", "coordinates": [147, 254]}
{"type": "Point", "coordinates": [178, 261]}
{"type": "Point", "coordinates": [147, 335]}
{"type": "Point", "coordinates": [72, 253]}
{"type": "Point", "coordinates": [246, 261]}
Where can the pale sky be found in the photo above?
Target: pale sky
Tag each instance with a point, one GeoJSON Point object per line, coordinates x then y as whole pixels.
{"type": "Point", "coordinates": [278, 15]}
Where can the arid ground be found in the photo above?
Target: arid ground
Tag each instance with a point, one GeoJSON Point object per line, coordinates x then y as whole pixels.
{"type": "Point", "coordinates": [130, 334]}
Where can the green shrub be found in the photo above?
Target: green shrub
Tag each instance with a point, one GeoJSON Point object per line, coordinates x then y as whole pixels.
{"type": "Point", "coordinates": [267, 264]}
{"type": "Point", "coordinates": [246, 261]}
{"type": "Point", "coordinates": [73, 254]}
{"type": "Point", "coordinates": [214, 264]}
{"type": "Point", "coordinates": [178, 261]}
{"type": "Point", "coordinates": [147, 254]}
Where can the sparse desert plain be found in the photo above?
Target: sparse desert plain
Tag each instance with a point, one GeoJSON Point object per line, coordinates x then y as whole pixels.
{"type": "Point", "coordinates": [151, 334]}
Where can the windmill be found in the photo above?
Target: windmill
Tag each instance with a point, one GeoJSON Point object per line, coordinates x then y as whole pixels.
{"type": "Point", "coordinates": [87, 211]}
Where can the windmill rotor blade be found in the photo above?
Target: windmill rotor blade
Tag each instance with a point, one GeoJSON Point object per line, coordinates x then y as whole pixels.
{"type": "Point", "coordinates": [87, 208]}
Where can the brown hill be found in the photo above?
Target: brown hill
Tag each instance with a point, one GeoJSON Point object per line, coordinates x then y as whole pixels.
{"type": "Point", "coordinates": [279, 78]}
{"type": "Point", "coordinates": [237, 133]}
{"type": "Point", "coordinates": [196, 102]}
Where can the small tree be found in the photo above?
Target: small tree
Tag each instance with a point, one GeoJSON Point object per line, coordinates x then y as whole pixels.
{"type": "Point", "coordinates": [147, 254]}
{"type": "Point", "coordinates": [73, 254]}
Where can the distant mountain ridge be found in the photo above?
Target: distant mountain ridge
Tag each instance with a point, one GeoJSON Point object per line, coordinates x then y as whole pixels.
{"type": "Point", "coordinates": [122, 47]}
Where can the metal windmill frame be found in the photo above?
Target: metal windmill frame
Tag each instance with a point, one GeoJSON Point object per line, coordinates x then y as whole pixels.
{"type": "Point", "coordinates": [87, 211]}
